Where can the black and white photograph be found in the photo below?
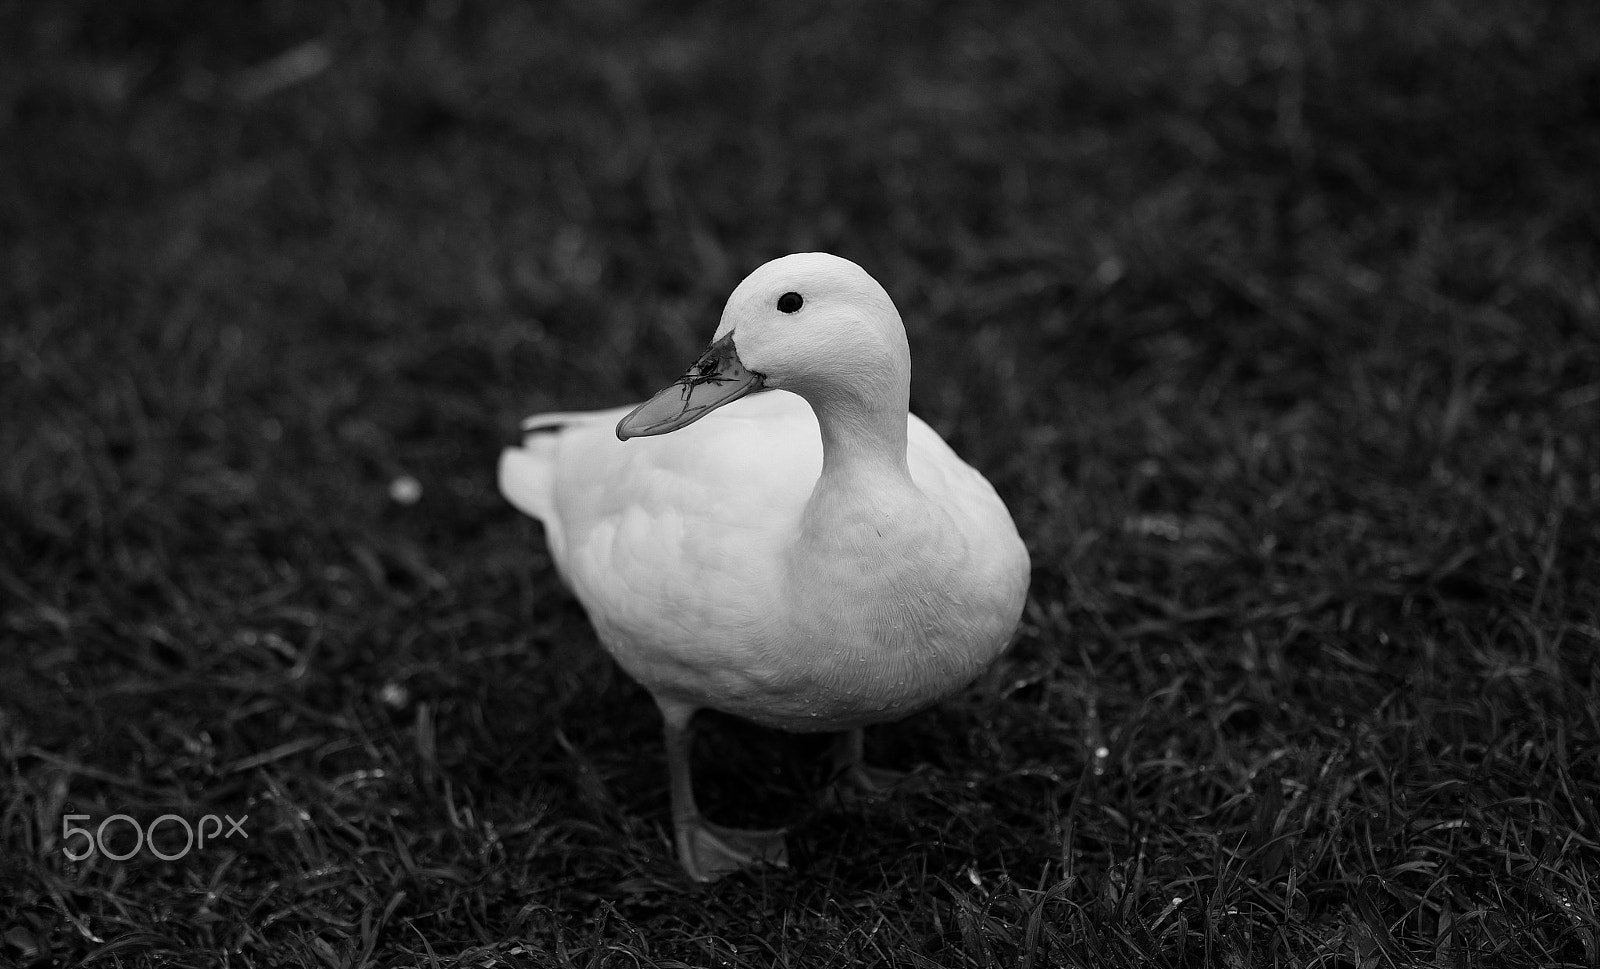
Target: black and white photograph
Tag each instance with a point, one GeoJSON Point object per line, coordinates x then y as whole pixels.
{"type": "Point", "coordinates": [697, 484]}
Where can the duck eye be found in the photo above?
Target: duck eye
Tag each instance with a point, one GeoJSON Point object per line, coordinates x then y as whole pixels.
{"type": "Point", "coordinates": [790, 303]}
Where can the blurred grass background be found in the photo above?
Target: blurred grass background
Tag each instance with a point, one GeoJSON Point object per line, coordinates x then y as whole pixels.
{"type": "Point", "coordinates": [1277, 324]}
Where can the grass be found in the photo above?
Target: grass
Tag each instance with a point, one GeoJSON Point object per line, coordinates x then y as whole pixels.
{"type": "Point", "coordinates": [1277, 325]}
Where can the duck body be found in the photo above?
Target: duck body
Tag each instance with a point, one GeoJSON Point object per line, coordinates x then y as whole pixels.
{"type": "Point", "coordinates": [798, 549]}
{"type": "Point", "coordinates": [719, 570]}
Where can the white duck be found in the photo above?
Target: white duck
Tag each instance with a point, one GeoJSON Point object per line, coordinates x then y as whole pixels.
{"type": "Point", "coordinates": [815, 560]}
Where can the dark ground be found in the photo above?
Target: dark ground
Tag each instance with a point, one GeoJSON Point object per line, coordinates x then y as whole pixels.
{"type": "Point", "coordinates": [1277, 325]}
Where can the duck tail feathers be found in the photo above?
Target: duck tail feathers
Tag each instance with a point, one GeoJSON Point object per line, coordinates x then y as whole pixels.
{"type": "Point", "coordinates": [527, 473]}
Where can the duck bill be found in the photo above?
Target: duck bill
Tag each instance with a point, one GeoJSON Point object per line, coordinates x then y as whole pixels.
{"type": "Point", "coordinates": [715, 379]}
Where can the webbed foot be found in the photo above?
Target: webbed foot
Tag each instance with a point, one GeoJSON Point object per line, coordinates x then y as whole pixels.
{"type": "Point", "coordinates": [708, 851]}
{"type": "Point", "coordinates": [851, 772]}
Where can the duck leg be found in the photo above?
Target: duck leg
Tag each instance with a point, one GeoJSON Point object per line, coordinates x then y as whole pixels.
{"type": "Point", "coordinates": [849, 767]}
{"type": "Point", "coordinates": [707, 851]}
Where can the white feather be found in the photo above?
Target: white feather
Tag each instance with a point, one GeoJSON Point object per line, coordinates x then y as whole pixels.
{"type": "Point", "coordinates": [722, 568]}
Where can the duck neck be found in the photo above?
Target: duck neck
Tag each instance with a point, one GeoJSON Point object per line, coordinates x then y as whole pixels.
{"type": "Point", "coordinates": [863, 453]}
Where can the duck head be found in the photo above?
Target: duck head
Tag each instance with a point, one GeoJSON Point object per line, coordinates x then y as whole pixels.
{"type": "Point", "coordinates": [811, 323]}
